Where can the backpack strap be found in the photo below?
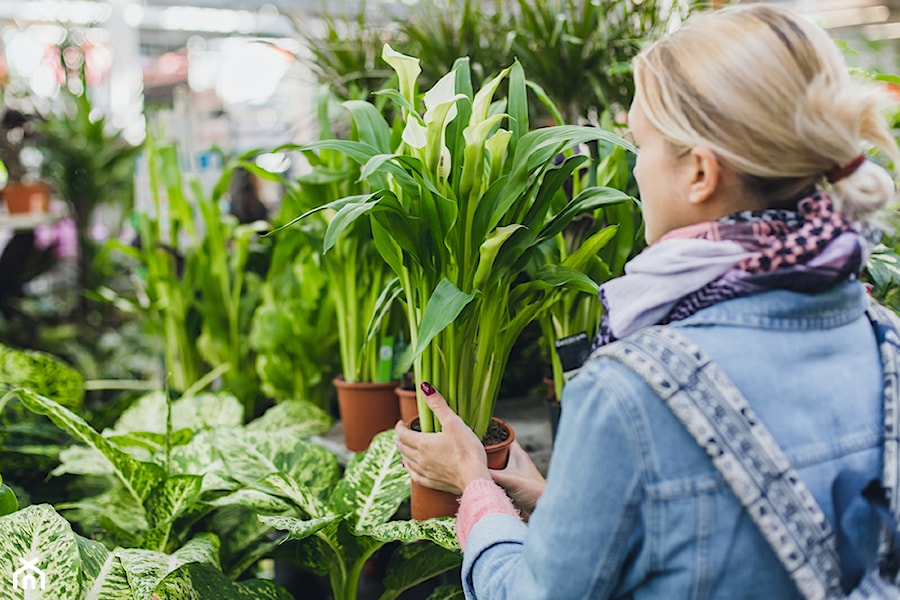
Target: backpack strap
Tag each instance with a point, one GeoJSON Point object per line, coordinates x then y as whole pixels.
{"type": "Point", "coordinates": [886, 325]}
{"type": "Point", "coordinates": [714, 411]}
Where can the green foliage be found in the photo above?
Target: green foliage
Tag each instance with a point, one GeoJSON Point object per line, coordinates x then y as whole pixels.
{"type": "Point", "coordinates": [459, 207]}
{"type": "Point", "coordinates": [292, 332]}
{"type": "Point", "coordinates": [171, 468]}
{"type": "Point", "coordinates": [76, 567]}
{"type": "Point", "coordinates": [194, 285]}
{"type": "Point", "coordinates": [345, 54]}
{"type": "Point", "coordinates": [601, 243]}
{"type": "Point", "coordinates": [336, 534]}
{"type": "Point", "coordinates": [360, 285]}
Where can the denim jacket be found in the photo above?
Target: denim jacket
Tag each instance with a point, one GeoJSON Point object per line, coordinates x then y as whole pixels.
{"type": "Point", "coordinates": [634, 508]}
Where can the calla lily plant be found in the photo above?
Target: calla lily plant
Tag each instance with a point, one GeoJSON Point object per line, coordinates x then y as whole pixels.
{"type": "Point", "coordinates": [461, 198]}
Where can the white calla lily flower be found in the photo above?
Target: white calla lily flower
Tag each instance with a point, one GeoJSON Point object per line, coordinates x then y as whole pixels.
{"type": "Point", "coordinates": [444, 91]}
{"type": "Point", "coordinates": [407, 69]}
{"type": "Point", "coordinates": [414, 133]}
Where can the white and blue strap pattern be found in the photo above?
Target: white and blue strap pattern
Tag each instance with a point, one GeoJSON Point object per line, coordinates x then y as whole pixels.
{"type": "Point", "coordinates": [714, 411]}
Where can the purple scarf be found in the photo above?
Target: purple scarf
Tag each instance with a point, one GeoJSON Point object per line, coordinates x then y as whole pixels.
{"type": "Point", "coordinates": [809, 250]}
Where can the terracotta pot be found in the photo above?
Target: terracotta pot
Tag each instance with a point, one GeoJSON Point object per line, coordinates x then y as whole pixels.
{"type": "Point", "coordinates": [409, 410]}
{"type": "Point", "coordinates": [366, 409]}
{"type": "Point", "coordinates": [426, 503]}
{"type": "Point", "coordinates": [26, 197]}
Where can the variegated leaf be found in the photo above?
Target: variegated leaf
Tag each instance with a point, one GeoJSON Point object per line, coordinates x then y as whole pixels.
{"type": "Point", "coordinates": [144, 569]}
{"type": "Point", "coordinates": [412, 564]}
{"type": "Point", "coordinates": [199, 457]}
{"type": "Point", "coordinates": [137, 477]}
{"type": "Point", "coordinates": [301, 418]}
{"type": "Point", "coordinates": [447, 592]}
{"type": "Point", "coordinates": [298, 529]}
{"type": "Point", "coordinates": [286, 487]}
{"type": "Point", "coordinates": [114, 511]}
{"type": "Point", "coordinates": [252, 499]}
{"type": "Point", "coordinates": [374, 485]}
{"type": "Point", "coordinates": [441, 531]}
{"type": "Point", "coordinates": [93, 554]}
{"type": "Point", "coordinates": [148, 413]}
{"type": "Point", "coordinates": [37, 546]}
{"type": "Point", "coordinates": [168, 501]}
{"type": "Point", "coordinates": [81, 460]}
{"type": "Point", "coordinates": [43, 374]}
{"type": "Point", "coordinates": [202, 582]}
{"type": "Point", "coordinates": [250, 457]}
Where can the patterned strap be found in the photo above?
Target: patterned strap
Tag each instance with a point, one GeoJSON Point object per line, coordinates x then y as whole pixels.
{"type": "Point", "coordinates": [887, 332]}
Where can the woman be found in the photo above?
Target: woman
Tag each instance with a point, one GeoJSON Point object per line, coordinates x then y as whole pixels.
{"type": "Point", "coordinates": [754, 193]}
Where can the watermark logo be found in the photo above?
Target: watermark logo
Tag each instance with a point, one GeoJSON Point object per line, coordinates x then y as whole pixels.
{"type": "Point", "coordinates": [28, 576]}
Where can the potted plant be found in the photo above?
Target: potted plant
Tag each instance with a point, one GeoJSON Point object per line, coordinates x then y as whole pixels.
{"type": "Point", "coordinates": [361, 286]}
{"type": "Point", "coordinates": [459, 205]}
{"type": "Point", "coordinates": [22, 192]}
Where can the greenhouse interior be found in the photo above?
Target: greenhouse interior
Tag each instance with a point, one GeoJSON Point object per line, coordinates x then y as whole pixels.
{"type": "Point", "coordinates": [240, 240]}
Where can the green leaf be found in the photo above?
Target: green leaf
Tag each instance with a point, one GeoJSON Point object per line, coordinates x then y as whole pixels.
{"type": "Point", "coordinates": [591, 246]}
{"type": "Point", "coordinates": [302, 419]}
{"type": "Point", "coordinates": [81, 460]}
{"type": "Point", "coordinates": [93, 556]}
{"type": "Point", "coordinates": [298, 529]}
{"type": "Point", "coordinates": [252, 499]}
{"type": "Point", "coordinates": [168, 501]}
{"type": "Point", "coordinates": [441, 531]}
{"type": "Point", "coordinates": [370, 124]}
{"type": "Point", "coordinates": [559, 276]}
{"type": "Point", "coordinates": [38, 535]}
{"type": "Point", "coordinates": [251, 456]}
{"type": "Point", "coordinates": [412, 564]}
{"type": "Point", "coordinates": [138, 477]}
{"type": "Point", "coordinates": [43, 374]}
{"type": "Point", "coordinates": [197, 581]}
{"type": "Point", "coordinates": [488, 252]}
{"type": "Point", "coordinates": [132, 573]}
{"type": "Point", "coordinates": [586, 201]}
{"type": "Point", "coordinates": [445, 304]}
{"type": "Point", "coordinates": [374, 485]}
{"type": "Point", "coordinates": [148, 413]}
{"type": "Point", "coordinates": [303, 498]}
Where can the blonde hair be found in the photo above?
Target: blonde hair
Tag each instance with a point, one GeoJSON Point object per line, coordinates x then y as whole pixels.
{"type": "Point", "coordinates": [769, 92]}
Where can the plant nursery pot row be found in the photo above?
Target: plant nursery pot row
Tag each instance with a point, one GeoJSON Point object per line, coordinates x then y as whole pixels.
{"type": "Point", "coordinates": [426, 503]}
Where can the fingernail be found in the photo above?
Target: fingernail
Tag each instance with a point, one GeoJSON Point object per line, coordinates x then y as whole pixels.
{"type": "Point", "coordinates": [427, 389]}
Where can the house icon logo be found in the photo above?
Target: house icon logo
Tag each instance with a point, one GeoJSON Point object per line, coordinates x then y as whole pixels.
{"type": "Point", "coordinates": [28, 576]}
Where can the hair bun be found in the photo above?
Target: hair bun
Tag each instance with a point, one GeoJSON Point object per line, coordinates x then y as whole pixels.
{"type": "Point", "coordinates": [864, 192]}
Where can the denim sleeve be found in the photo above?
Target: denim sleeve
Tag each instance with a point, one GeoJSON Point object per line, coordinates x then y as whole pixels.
{"type": "Point", "coordinates": [588, 520]}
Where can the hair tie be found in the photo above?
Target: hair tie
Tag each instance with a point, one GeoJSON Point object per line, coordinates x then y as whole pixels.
{"type": "Point", "coordinates": [837, 173]}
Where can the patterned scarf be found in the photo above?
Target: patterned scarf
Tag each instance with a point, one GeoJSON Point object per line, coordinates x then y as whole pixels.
{"type": "Point", "coordinates": [809, 250]}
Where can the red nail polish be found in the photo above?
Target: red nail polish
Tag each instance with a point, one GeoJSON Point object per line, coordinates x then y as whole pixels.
{"type": "Point", "coordinates": [427, 389]}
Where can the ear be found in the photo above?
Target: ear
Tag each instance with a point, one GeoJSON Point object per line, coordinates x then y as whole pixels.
{"type": "Point", "coordinates": [705, 174]}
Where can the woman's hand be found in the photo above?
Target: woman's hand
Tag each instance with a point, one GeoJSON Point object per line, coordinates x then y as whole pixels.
{"type": "Point", "coordinates": [448, 460]}
{"type": "Point", "coordinates": [521, 479]}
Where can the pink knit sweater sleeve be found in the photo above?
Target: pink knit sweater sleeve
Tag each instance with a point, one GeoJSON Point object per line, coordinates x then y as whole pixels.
{"type": "Point", "coordinates": [481, 497]}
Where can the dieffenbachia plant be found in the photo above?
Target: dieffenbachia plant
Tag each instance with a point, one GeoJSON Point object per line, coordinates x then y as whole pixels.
{"type": "Point", "coordinates": [459, 206]}
{"type": "Point", "coordinates": [337, 536]}
{"type": "Point", "coordinates": [172, 468]}
{"type": "Point", "coordinates": [37, 542]}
